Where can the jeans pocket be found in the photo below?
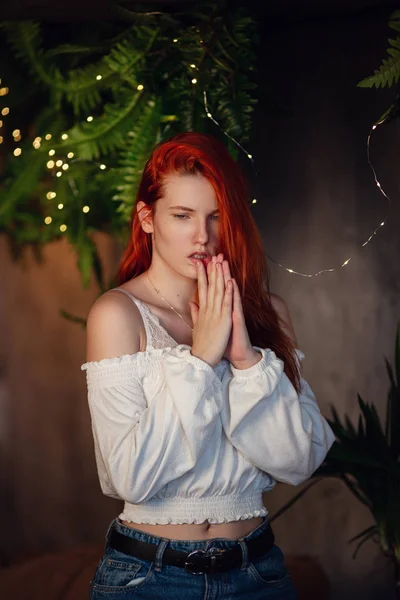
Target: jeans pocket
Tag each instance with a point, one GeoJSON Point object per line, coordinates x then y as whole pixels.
{"type": "Point", "coordinates": [270, 569]}
{"type": "Point", "coordinates": [118, 572]}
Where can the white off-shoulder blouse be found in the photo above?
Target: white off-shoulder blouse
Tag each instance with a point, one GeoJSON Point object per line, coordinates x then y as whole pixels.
{"type": "Point", "coordinates": [182, 442]}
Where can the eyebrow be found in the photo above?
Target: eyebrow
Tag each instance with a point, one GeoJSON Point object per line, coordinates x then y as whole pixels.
{"type": "Point", "coordinates": [179, 207]}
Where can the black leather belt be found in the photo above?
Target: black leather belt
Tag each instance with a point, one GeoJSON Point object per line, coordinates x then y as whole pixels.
{"type": "Point", "coordinates": [197, 562]}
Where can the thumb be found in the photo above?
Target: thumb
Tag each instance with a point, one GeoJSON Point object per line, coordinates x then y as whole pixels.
{"type": "Point", "coordinates": [194, 311]}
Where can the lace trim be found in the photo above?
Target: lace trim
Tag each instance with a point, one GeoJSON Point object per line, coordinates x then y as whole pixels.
{"type": "Point", "coordinates": [192, 520]}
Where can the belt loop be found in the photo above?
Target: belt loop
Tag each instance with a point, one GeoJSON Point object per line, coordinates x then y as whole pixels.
{"type": "Point", "coordinates": [245, 553]}
{"type": "Point", "coordinates": [159, 554]}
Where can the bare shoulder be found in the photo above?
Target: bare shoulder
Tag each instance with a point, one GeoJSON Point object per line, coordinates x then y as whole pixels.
{"type": "Point", "coordinates": [113, 327]}
{"type": "Point", "coordinates": [282, 310]}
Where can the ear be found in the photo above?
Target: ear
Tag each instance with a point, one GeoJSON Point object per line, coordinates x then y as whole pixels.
{"type": "Point", "coordinates": [145, 215]}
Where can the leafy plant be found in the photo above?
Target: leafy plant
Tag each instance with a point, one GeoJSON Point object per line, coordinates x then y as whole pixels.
{"type": "Point", "coordinates": [99, 98]}
{"type": "Point", "coordinates": [367, 459]}
{"type": "Point", "coordinates": [388, 74]}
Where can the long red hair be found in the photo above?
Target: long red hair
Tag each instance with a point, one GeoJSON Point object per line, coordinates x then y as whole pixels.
{"type": "Point", "coordinates": [240, 241]}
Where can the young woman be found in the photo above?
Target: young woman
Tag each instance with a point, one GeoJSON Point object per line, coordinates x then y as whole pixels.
{"type": "Point", "coordinates": [194, 387]}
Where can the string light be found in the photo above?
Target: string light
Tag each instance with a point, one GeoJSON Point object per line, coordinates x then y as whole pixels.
{"type": "Point", "coordinates": [85, 209]}
{"type": "Point", "coordinates": [50, 195]}
{"type": "Point", "coordinates": [59, 163]}
{"type": "Point", "coordinates": [250, 157]}
{"type": "Point", "coordinates": [102, 167]}
{"type": "Point", "coordinates": [1, 139]}
{"type": "Point", "coordinates": [98, 77]}
{"type": "Point", "coordinates": [63, 228]}
{"type": "Point", "coordinates": [194, 80]}
{"type": "Point", "coordinates": [60, 206]}
{"type": "Point", "coordinates": [65, 167]}
{"type": "Point", "coordinates": [140, 87]}
{"type": "Point", "coordinates": [4, 91]}
{"type": "Point", "coordinates": [52, 152]}
{"type": "Point", "coordinates": [59, 173]}
{"type": "Point", "coordinates": [50, 164]}
{"type": "Point", "coordinates": [89, 119]}
{"type": "Point", "coordinates": [64, 136]}
{"type": "Point", "coordinates": [5, 111]}
{"type": "Point", "coordinates": [70, 155]}
{"type": "Point", "coordinates": [47, 136]}
{"type": "Point", "coordinates": [17, 152]}
{"type": "Point", "coordinates": [48, 220]}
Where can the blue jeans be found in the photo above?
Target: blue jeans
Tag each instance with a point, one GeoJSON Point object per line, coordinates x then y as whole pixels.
{"type": "Point", "coordinates": [120, 576]}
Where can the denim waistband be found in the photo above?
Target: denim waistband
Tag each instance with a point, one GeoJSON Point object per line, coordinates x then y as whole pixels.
{"type": "Point", "coordinates": [183, 545]}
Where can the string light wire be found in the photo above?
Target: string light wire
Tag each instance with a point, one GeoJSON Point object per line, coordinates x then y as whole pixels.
{"type": "Point", "coordinates": [250, 157]}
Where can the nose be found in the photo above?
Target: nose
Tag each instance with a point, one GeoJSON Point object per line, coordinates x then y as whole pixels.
{"type": "Point", "coordinates": [202, 232]}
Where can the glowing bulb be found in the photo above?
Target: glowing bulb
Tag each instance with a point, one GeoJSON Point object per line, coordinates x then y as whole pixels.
{"type": "Point", "coordinates": [65, 167]}
{"type": "Point", "coordinates": [99, 77]}
{"type": "Point", "coordinates": [4, 91]}
{"type": "Point", "coordinates": [1, 139]}
{"type": "Point", "coordinates": [382, 223]}
{"type": "Point", "coordinates": [346, 262]}
{"type": "Point", "coordinates": [1, 123]}
{"type": "Point", "coordinates": [16, 132]}
{"type": "Point", "coordinates": [194, 80]}
{"type": "Point", "coordinates": [85, 209]}
{"type": "Point", "coordinates": [50, 164]}
{"type": "Point", "coordinates": [47, 136]}
{"type": "Point", "coordinates": [193, 66]}
{"type": "Point", "coordinates": [52, 152]}
{"type": "Point", "coordinates": [254, 200]}
{"type": "Point", "coordinates": [17, 152]}
{"type": "Point", "coordinates": [59, 163]}
{"type": "Point", "coordinates": [37, 139]}
{"type": "Point", "coordinates": [249, 156]}
{"type": "Point", "coordinates": [50, 195]}
{"type": "Point", "coordinates": [5, 111]}
{"type": "Point", "coordinates": [70, 155]}
{"type": "Point", "coordinates": [60, 206]}
{"type": "Point", "coordinates": [48, 220]}
{"type": "Point", "coordinates": [140, 87]}
{"type": "Point", "coordinates": [17, 138]}
{"type": "Point", "coordinates": [102, 167]}
{"type": "Point", "coordinates": [64, 136]}
{"type": "Point", "coordinates": [175, 40]}
{"type": "Point", "coordinates": [209, 115]}
{"type": "Point", "coordinates": [89, 119]}
{"type": "Point", "coordinates": [36, 145]}
{"type": "Point", "coordinates": [373, 126]}
{"type": "Point", "coordinates": [63, 228]}
{"type": "Point", "coordinates": [59, 173]}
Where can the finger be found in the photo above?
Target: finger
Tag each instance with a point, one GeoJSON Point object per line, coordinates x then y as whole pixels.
{"type": "Point", "coordinates": [219, 287]}
{"type": "Point", "coordinates": [211, 284]}
{"type": "Point", "coordinates": [202, 284]}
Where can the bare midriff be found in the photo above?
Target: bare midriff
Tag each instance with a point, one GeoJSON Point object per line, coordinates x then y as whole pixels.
{"type": "Point", "coordinates": [202, 531]}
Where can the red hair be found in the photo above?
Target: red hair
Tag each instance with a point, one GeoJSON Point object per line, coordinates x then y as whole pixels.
{"type": "Point", "coordinates": [240, 242]}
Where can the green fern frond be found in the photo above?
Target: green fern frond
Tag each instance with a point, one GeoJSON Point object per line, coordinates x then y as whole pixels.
{"type": "Point", "coordinates": [141, 140]}
{"type": "Point", "coordinates": [105, 133]}
{"type": "Point", "coordinates": [389, 71]}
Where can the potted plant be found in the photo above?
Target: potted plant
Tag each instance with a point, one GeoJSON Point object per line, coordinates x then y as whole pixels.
{"type": "Point", "coordinates": [367, 459]}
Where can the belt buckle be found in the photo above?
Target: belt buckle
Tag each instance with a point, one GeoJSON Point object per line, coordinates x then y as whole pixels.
{"type": "Point", "coordinates": [210, 553]}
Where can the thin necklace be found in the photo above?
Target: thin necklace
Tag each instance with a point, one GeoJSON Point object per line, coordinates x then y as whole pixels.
{"type": "Point", "coordinates": [158, 292]}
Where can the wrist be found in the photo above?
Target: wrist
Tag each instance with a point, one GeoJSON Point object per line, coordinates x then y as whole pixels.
{"type": "Point", "coordinates": [254, 357]}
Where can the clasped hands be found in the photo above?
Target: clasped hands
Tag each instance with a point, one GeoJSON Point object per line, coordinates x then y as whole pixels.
{"type": "Point", "coordinates": [239, 350]}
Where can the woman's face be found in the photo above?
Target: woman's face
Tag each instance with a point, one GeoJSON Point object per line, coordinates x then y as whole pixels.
{"type": "Point", "coordinates": [179, 231]}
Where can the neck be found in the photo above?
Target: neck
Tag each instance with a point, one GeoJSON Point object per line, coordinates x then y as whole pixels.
{"type": "Point", "coordinates": [175, 289]}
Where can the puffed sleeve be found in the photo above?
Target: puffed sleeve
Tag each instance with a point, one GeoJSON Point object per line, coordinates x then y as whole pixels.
{"type": "Point", "coordinates": [142, 443]}
{"type": "Point", "coordinates": [278, 430]}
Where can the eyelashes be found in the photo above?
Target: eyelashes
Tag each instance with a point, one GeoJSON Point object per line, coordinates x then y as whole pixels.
{"type": "Point", "coordinates": [183, 217]}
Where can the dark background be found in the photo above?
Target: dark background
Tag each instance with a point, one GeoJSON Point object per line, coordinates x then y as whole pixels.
{"type": "Point", "coordinates": [316, 204]}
